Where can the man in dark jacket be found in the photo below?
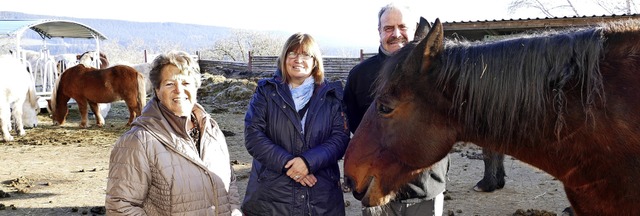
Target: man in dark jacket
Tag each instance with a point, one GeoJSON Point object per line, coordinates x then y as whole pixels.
{"type": "Point", "coordinates": [424, 195]}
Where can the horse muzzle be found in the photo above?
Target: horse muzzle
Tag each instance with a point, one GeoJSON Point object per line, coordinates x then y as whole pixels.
{"type": "Point", "coordinates": [350, 184]}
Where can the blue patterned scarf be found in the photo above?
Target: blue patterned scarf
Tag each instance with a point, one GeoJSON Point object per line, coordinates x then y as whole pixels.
{"type": "Point", "coordinates": [301, 96]}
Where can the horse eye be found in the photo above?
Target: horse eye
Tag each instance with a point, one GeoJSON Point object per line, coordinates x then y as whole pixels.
{"type": "Point", "coordinates": [383, 109]}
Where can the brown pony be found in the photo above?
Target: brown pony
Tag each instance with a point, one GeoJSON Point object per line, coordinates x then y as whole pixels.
{"type": "Point", "coordinates": [566, 102]}
{"type": "Point", "coordinates": [87, 85]}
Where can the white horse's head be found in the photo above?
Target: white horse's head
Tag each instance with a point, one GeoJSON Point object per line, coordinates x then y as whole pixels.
{"type": "Point", "coordinates": [30, 107]}
{"type": "Point", "coordinates": [89, 59]}
{"type": "Point", "coordinates": [93, 59]}
{"type": "Point", "coordinates": [30, 114]}
{"type": "Point", "coordinates": [65, 61]}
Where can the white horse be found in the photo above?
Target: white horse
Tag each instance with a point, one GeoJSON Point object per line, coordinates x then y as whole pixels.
{"type": "Point", "coordinates": [144, 69]}
{"type": "Point", "coordinates": [64, 61]}
{"type": "Point", "coordinates": [17, 97]}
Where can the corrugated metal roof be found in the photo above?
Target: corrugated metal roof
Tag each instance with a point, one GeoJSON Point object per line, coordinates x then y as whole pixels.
{"type": "Point", "coordinates": [604, 17]}
{"type": "Point", "coordinates": [478, 30]}
{"type": "Point", "coordinates": [50, 29]}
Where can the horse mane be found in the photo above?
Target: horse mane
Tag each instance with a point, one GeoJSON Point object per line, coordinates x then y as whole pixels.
{"type": "Point", "coordinates": [503, 89]}
{"type": "Point", "coordinates": [52, 100]}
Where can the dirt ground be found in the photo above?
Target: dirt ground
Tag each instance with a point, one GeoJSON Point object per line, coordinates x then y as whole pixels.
{"type": "Point", "coordinates": [62, 170]}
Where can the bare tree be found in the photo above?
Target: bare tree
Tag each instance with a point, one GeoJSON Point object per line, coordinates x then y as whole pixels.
{"type": "Point", "coordinates": [237, 45]}
{"type": "Point", "coordinates": [612, 7]}
{"type": "Point", "coordinates": [119, 54]}
{"type": "Point", "coordinates": [549, 8]}
{"type": "Point", "coordinates": [7, 44]}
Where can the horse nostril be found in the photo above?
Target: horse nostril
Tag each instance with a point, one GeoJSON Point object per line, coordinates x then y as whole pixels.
{"type": "Point", "coordinates": [350, 184]}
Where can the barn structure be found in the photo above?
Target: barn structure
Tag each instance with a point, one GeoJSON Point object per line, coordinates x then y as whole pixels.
{"type": "Point", "coordinates": [43, 69]}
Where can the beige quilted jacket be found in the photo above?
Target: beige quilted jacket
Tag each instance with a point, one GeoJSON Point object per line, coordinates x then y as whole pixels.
{"type": "Point", "coordinates": [155, 170]}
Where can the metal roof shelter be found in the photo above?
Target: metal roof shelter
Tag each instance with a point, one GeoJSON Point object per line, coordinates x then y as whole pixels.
{"type": "Point", "coordinates": [47, 29]}
{"type": "Point", "coordinates": [479, 30]}
{"type": "Point", "coordinates": [50, 29]}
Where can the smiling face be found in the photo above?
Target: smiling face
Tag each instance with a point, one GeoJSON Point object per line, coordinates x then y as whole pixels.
{"type": "Point", "coordinates": [299, 66]}
{"type": "Point", "coordinates": [177, 91]}
{"type": "Point", "coordinates": [393, 29]}
{"type": "Point", "coordinates": [300, 58]}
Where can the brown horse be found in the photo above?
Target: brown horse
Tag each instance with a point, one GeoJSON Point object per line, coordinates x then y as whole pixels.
{"type": "Point", "coordinates": [540, 98]}
{"type": "Point", "coordinates": [87, 85]}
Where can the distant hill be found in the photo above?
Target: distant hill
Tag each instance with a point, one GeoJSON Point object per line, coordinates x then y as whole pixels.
{"type": "Point", "coordinates": [190, 37]}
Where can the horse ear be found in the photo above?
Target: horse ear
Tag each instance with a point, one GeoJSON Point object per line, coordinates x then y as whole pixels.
{"type": "Point", "coordinates": [422, 29]}
{"type": "Point", "coordinates": [434, 42]}
{"type": "Point", "coordinates": [428, 47]}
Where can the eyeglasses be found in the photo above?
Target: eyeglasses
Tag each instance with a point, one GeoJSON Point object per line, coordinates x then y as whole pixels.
{"type": "Point", "coordinates": [294, 55]}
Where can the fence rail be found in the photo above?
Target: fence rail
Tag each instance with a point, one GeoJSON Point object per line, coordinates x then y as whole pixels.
{"type": "Point", "coordinates": [333, 66]}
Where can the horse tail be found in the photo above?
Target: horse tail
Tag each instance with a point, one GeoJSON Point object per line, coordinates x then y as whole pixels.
{"type": "Point", "coordinates": [142, 92]}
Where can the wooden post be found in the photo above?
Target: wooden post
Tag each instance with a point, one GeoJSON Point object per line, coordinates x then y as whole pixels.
{"type": "Point", "coordinates": [361, 55]}
{"type": "Point", "coordinates": [145, 56]}
{"type": "Point", "coordinates": [249, 64]}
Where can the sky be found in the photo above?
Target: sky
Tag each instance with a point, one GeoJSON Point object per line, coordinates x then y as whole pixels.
{"type": "Point", "coordinates": [354, 20]}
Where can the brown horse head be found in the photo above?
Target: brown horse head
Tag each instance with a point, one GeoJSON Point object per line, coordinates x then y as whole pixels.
{"type": "Point", "coordinates": [388, 148]}
{"type": "Point", "coordinates": [57, 109]}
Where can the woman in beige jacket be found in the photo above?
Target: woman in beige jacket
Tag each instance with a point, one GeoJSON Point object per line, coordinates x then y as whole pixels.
{"type": "Point", "coordinates": [174, 160]}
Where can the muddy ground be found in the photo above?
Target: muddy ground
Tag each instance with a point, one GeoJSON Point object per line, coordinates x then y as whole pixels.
{"type": "Point", "coordinates": [61, 170]}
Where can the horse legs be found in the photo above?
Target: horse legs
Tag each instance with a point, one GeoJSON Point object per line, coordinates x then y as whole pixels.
{"type": "Point", "coordinates": [96, 111]}
{"type": "Point", "coordinates": [134, 111]}
{"type": "Point", "coordinates": [84, 112]}
{"type": "Point", "coordinates": [132, 115]}
{"type": "Point", "coordinates": [16, 112]}
{"type": "Point", "coordinates": [5, 122]}
{"type": "Point", "coordinates": [493, 172]}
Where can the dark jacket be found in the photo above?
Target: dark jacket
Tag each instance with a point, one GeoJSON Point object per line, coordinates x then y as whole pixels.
{"type": "Point", "coordinates": [358, 89]}
{"type": "Point", "coordinates": [273, 137]}
{"type": "Point", "coordinates": [357, 98]}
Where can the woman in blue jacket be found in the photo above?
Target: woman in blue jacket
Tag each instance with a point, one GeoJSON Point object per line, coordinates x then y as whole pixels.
{"type": "Point", "coordinates": [296, 132]}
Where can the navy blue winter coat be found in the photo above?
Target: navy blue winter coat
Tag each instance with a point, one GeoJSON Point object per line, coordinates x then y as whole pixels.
{"type": "Point", "coordinates": [273, 136]}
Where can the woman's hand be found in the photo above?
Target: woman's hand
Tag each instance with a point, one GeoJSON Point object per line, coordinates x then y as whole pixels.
{"type": "Point", "coordinates": [296, 169]}
{"type": "Point", "coordinates": [309, 180]}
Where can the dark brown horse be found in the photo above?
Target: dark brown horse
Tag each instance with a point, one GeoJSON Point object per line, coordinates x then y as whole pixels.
{"type": "Point", "coordinates": [90, 86]}
{"type": "Point", "coordinates": [566, 102]}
